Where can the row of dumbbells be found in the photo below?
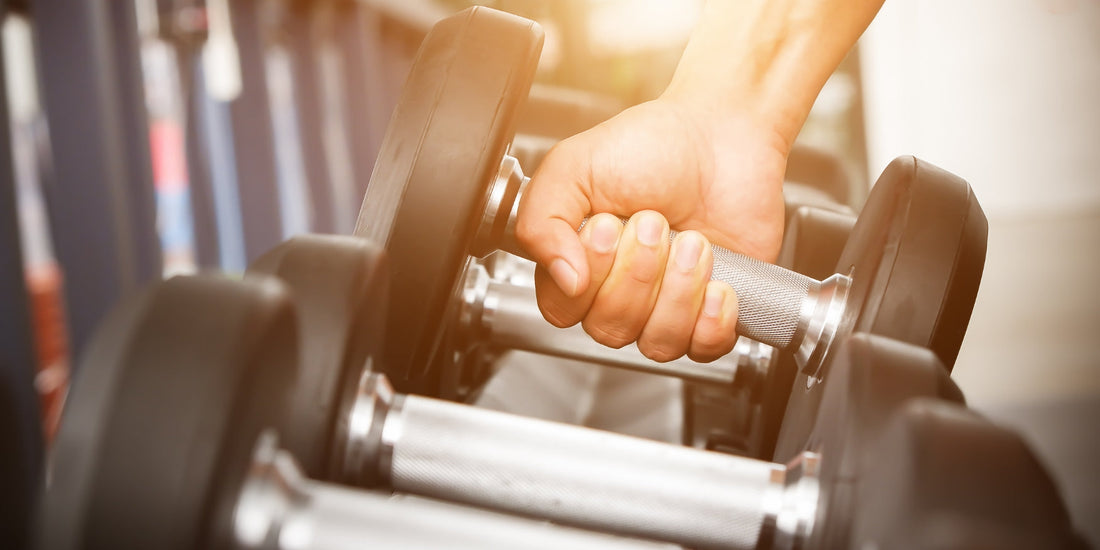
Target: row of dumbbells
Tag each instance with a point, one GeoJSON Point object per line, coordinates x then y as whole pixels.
{"type": "Point", "coordinates": [214, 412]}
{"type": "Point", "coordinates": [194, 397]}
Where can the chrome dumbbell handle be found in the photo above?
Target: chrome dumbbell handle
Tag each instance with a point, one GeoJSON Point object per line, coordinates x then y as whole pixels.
{"type": "Point", "coordinates": [506, 315]}
{"type": "Point", "coordinates": [575, 475]}
{"type": "Point", "coordinates": [279, 509]}
{"type": "Point", "coordinates": [776, 306]}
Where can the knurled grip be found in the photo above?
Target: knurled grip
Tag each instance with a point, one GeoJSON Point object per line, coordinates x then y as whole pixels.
{"type": "Point", "coordinates": [770, 299]}
{"type": "Point", "coordinates": [576, 475]}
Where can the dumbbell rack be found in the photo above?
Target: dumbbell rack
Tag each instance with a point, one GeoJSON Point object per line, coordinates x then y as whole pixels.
{"type": "Point", "coordinates": [275, 498]}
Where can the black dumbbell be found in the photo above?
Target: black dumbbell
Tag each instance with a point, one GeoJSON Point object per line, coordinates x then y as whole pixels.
{"type": "Point", "coordinates": [166, 443]}
{"type": "Point", "coordinates": [443, 188]}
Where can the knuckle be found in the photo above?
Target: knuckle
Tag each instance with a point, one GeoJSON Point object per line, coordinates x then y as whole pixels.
{"type": "Point", "coordinates": [643, 270]}
{"type": "Point", "coordinates": [557, 314]}
{"type": "Point", "coordinates": [703, 356]}
{"type": "Point", "coordinates": [707, 348]}
{"type": "Point", "coordinates": [659, 352]}
{"type": "Point", "coordinates": [708, 340]}
{"type": "Point", "coordinates": [608, 335]}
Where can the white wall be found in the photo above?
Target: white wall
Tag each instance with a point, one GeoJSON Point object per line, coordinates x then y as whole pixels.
{"type": "Point", "coordinates": [1006, 93]}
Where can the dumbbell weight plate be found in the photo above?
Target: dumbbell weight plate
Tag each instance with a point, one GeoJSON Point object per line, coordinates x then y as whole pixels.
{"type": "Point", "coordinates": [944, 477]}
{"type": "Point", "coordinates": [452, 124]}
{"type": "Point", "coordinates": [916, 256]}
{"type": "Point", "coordinates": [871, 378]}
{"type": "Point", "coordinates": [172, 393]}
{"type": "Point", "coordinates": [340, 288]}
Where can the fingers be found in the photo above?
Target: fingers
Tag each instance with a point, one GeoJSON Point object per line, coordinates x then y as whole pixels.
{"type": "Point", "coordinates": [644, 290]}
{"type": "Point", "coordinates": [715, 328]}
{"type": "Point", "coordinates": [550, 212]}
{"type": "Point", "coordinates": [600, 238]}
{"type": "Point", "coordinates": [628, 294]}
{"type": "Point", "coordinates": [668, 332]}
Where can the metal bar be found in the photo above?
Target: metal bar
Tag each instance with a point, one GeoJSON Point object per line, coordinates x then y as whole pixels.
{"type": "Point", "coordinates": [577, 476]}
{"type": "Point", "coordinates": [368, 110]}
{"type": "Point", "coordinates": [20, 421]}
{"type": "Point", "coordinates": [199, 181]}
{"type": "Point", "coordinates": [302, 47]}
{"type": "Point", "coordinates": [280, 510]}
{"type": "Point", "coordinates": [94, 106]}
{"type": "Point", "coordinates": [134, 120]}
{"type": "Point", "coordinates": [253, 134]}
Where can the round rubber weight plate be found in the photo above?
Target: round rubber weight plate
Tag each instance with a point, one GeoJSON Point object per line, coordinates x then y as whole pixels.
{"type": "Point", "coordinates": [915, 256]}
{"type": "Point", "coordinates": [944, 477]}
{"type": "Point", "coordinates": [871, 377]}
{"type": "Point", "coordinates": [449, 132]}
{"type": "Point", "coordinates": [339, 285]}
{"type": "Point", "coordinates": [158, 433]}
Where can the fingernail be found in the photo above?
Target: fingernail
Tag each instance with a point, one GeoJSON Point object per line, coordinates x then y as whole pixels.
{"type": "Point", "coordinates": [605, 233]}
{"type": "Point", "coordinates": [649, 230]}
{"type": "Point", "coordinates": [689, 247]}
{"type": "Point", "coordinates": [564, 276]}
{"type": "Point", "coordinates": [712, 302]}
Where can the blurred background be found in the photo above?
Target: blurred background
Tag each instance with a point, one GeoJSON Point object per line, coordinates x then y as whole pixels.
{"type": "Point", "coordinates": [154, 137]}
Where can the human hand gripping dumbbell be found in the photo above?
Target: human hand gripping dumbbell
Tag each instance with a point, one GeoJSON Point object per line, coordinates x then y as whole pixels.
{"type": "Point", "coordinates": [443, 188]}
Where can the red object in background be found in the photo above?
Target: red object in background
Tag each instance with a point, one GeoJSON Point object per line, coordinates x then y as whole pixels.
{"type": "Point", "coordinates": [44, 284]}
{"type": "Point", "coordinates": [168, 155]}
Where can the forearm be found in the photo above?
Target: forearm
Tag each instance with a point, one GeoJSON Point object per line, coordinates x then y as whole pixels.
{"type": "Point", "coordinates": [768, 58]}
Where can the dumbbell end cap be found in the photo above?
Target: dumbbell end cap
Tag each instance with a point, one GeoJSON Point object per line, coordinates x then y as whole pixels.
{"type": "Point", "coordinates": [359, 461]}
{"type": "Point", "coordinates": [823, 312]}
{"type": "Point", "coordinates": [497, 227]}
{"type": "Point", "coordinates": [793, 507]}
{"type": "Point", "coordinates": [269, 491]}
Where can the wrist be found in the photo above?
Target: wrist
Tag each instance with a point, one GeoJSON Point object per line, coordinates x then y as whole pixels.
{"type": "Point", "coordinates": [766, 59]}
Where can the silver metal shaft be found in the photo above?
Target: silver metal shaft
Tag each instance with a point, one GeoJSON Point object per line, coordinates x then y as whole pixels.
{"type": "Point", "coordinates": [507, 315]}
{"type": "Point", "coordinates": [568, 474]}
{"type": "Point", "coordinates": [279, 509]}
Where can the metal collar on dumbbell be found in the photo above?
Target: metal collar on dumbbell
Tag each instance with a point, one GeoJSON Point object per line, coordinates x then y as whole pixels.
{"type": "Point", "coordinates": [270, 493]}
{"type": "Point", "coordinates": [362, 451]}
{"type": "Point", "coordinates": [497, 229]}
{"type": "Point", "coordinates": [819, 322]}
{"type": "Point", "coordinates": [792, 505]}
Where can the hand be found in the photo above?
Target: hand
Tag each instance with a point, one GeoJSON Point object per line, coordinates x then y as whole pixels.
{"type": "Point", "coordinates": [661, 164]}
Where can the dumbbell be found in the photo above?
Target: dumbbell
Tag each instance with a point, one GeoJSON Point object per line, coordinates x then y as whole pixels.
{"type": "Point", "coordinates": [166, 443]}
{"type": "Point", "coordinates": [443, 188]}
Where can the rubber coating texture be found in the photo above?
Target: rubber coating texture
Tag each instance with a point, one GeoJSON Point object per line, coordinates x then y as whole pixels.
{"type": "Point", "coordinates": [339, 285]}
{"type": "Point", "coordinates": [174, 390]}
{"type": "Point", "coordinates": [450, 130]}
{"type": "Point", "coordinates": [915, 256]}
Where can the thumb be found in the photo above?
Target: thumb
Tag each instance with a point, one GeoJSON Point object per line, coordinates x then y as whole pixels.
{"type": "Point", "coordinates": [551, 211]}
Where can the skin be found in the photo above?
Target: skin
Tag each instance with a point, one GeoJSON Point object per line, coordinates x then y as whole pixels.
{"type": "Point", "coordinates": [706, 158]}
